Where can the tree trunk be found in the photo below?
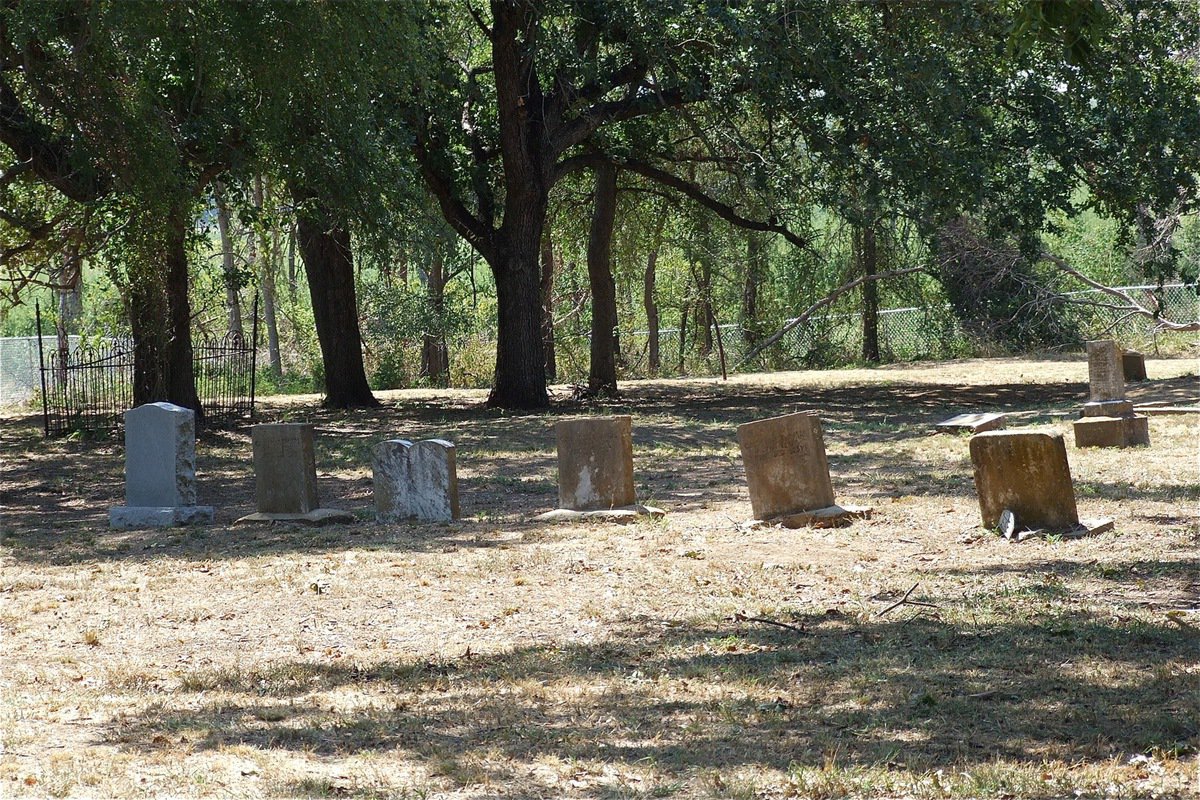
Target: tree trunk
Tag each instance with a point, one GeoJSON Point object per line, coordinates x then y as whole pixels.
{"type": "Point", "coordinates": [602, 375]}
{"type": "Point", "coordinates": [435, 358]}
{"type": "Point", "coordinates": [755, 270]}
{"type": "Point", "coordinates": [70, 299]}
{"type": "Point", "coordinates": [233, 307]}
{"type": "Point", "coordinates": [648, 296]}
{"type": "Point", "coordinates": [520, 379]}
{"type": "Point", "coordinates": [181, 378]}
{"type": "Point", "coordinates": [291, 262]}
{"type": "Point", "coordinates": [548, 305]}
{"type": "Point", "coordinates": [267, 282]}
{"type": "Point", "coordinates": [869, 264]}
{"type": "Point", "coordinates": [329, 266]}
{"type": "Point", "coordinates": [705, 317]}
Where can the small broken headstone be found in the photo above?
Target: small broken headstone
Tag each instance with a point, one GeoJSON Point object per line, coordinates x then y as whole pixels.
{"type": "Point", "coordinates": [160, 469]}
{"type": "Point", "coordinates": [1133, 365]}
{"type": "Point", "coordinates": [415, 481]}
{"type": "Point", "coordinates": [788, 473]}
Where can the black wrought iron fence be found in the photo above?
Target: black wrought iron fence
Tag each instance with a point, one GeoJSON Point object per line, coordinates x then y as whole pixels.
{"type": "Point", "coordinates": [89, 387]}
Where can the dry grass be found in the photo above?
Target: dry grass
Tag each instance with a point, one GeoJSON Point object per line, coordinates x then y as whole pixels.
{"type": "Point", "coordinates": [502, 657]}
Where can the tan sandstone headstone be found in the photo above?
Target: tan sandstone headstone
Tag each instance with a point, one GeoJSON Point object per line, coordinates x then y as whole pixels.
{"type": "Point", "coordinates": [285, 468]}
{"type": "Point", "coordinates": [786, 467]}
{"type": "Point", "coordinates": [1027, 473]}
{"type": "Point", "coordinates": [1106, 375]}
{"type": "Point", "coordinates": [595, 463]}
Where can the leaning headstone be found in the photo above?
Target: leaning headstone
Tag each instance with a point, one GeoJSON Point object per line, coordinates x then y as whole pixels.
{"type": "Point", "coordinates": [974, 423]}
{"type": "Point", "coordinates": [160, 469]}
{"type": "Point", "coordinates": [788, 473]}
{"type": "Point", "coordinates": [1026, 473]}
{"type": "Point", "coordinates": [595, 470]}
{"type": "Point", "coordinates": [1108, 418]}
{"type": "Point", "coordinates": [285, 476]}
{"type": "Point", "coordinates": [1133, 365]}
{"type": "Point", "coordinates": [415, 481]}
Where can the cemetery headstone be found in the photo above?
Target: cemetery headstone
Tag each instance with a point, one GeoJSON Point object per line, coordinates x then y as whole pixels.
{"type": "Point", "coordinates": [285, 476]}
{"type": "Point", "coordinates": [1108, 418]}
{"type": "Point", "coordinates": [788, 472]}
{"type": "Point", "coordinates": [415, 481]}
{"type": "Point", "coordinates": [595, 470]}
{"type": "Point", "coordinates": [160, 469]}
{"type": "Point", "coordinates": [1027, 474]}
{"type": "Point", "coordinates": [1133, 365]}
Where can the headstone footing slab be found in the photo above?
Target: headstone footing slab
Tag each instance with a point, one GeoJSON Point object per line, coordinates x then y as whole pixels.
{"type": "Point", "coordinates": [133, 517]}
{"type": "Point", "coordinates": [829, 517]}
{"type": "Point", "coordinates": [318, 516]}
{"type": "Point", "coordinates": [622, 514]}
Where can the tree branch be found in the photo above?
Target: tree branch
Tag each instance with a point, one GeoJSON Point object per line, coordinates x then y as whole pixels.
{"type": "Point", "coordinates": [828, 299]}
{"type": "Point", "coordinates": [1133, 307]}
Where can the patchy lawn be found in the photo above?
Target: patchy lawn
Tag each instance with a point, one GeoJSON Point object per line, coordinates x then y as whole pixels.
{"type": "Point", "coordinates": [498, 656]}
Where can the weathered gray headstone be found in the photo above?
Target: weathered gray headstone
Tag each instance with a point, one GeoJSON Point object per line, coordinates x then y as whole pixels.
{"type": "Point", "coordinates": [285, 468]}
{"type": "Point", "coordinates": [160, 469]}
{"type": "Point", "coordinates": [595, 463]}
{"type": "Point", "coordinates": [788, 473]}
{"type": "Point", "coordinates": [1026, 472]}
{"type": "Point", "coordinates": [415, 481]}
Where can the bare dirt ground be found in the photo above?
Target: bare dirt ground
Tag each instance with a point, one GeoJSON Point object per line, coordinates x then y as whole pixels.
{"type": "Point", "coordinates": [498, 656]}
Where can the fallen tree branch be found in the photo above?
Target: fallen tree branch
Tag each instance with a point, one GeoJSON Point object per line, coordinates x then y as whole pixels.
{"type": "Point", "coordinates": [738, 617]}
{"type": "Point", "coordinates": [828, 299]}
{"type": "Point", "coordinates": [904, 601]}
{"type": "Point", "coordinates": [1133, 307]}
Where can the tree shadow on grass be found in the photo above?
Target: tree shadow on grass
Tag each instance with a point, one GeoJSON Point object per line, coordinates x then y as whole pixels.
{"type": "Point", "coordinates": [912, 693]}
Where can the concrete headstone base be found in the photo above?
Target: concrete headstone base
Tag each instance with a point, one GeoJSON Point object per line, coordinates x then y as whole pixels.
{"type": "Point", "coordinates": [318, 516]}
{"type": "Point", "coordinates": [1086, 527]}
{"type": "Point", "coordinates": [1112, 431]}
{"type": "Point", "coordinates": [132, 517]}
{"type": "Point", "coordinates": [1108, 408]}
{"type": "Point", "coordinates": [623, 514]}
{"type": "Point", "coordinates": [829, 517]}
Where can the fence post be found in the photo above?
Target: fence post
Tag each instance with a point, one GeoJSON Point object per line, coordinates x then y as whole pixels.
{"type": "Point", "coordinates": [37, 313]}
{"type": "Point", "coordinates": [253, 355]}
